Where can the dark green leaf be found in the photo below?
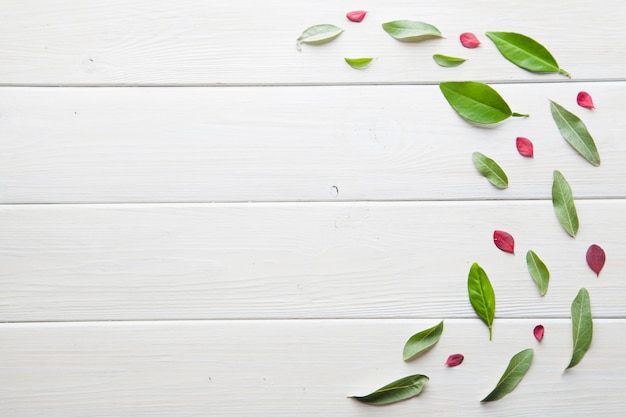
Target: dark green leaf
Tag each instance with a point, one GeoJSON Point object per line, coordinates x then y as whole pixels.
{"type": "Point", "coordinates": [575, 133]}
{"type": "Point", "coordinates": [476, 102]}
{"type": "Point", "coordinates": [411, 30]}
{"type": "Point", "coordinates": [448, 61]}
{"type": "Point", "coordinates": [525, 52]}
{"type": "Point", "coordinates": [318, 34]}
{"type": "Point", "coordinates": [481, 295]}
{"type": "Point", "coordinates": [490, 170]}
{"type": "Point", "coordinates": [582, 326]}
{"type": "Point", "coordinates": [422, 341]}
{"type": "Point", "coordinates": [358, 62]}
{"type": "Point", "coordinates": [399, 390]}
{"type": "Point", "coordinates": [563, 203]}
{"type": "Point", "coordinates": [512, 376]}
{"type": "Point", "coordinates": [538, 271]}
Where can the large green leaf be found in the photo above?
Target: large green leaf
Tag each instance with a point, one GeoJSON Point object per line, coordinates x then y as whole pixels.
{"type": "Point", "coordinates": [490, 170]}
{"type": "Point", "coordinates": [481, 295]}
{"type": "Point", "coordinates": [399, 390]}
{"type": "Point", "coordinates": [518, 365]}
{"type": "Point", "coordinates": [563, 203]}
{"type": "Point", "coordinates": [538, 271]}
{"type": "Point", "coordinates": [318, 34]}
{"type": "Point", "coordinates": [575, 133]}
{"type": "Point", "coordinates": [411, 30]}
{"type": "Point", "coordinates": [422, 341]}
{"type": "Point", "coordinates": [582, 326]}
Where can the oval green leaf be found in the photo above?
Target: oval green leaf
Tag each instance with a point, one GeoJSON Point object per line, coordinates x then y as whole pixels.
{"type": "Point", "coordinates": [538, 271]}
{"type": "Point", "coordinates": [411, 30]}
{"type": "Point", "coordinates": [422, 341]}
{"type": "Point", "coordinates": [518, 366]}
{"type": "Point", "coordinates": [448, 61]}
{"type": "Point", "coordinates": [582, 326]}
{"type": "Point", "coordinates": [358, 63]}
{"type": "Point", "coordinates": [476, 102]}
{"type": "Point", "coordinates": [525, 52]}
{"type": "Point", "coordinates": [481, 295]}
{"type": "Point", "coordinates": [490, 170]}
{"type": "Point", "coordinates": [563, 203]}
{"type": "Point", "coordinates": [399, 390]}
{"type": "Point", "coordinates": [575, 133]}
{"type": "Point", "coordinates": [318, 34]}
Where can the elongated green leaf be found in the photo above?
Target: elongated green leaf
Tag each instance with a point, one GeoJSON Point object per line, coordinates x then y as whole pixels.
{"type": "Point", "coordinates": [518, 366]}
{"type": "Point", "coordinates": [481, 295]}
{"type": "Point", "coordinates": [525, 52]}
{"type": "Point", "coordinates": [399, 390]}
{"type": "Point", "coordinates": [563, 203]}
{"type": "Point", "coordinates": [358, 63]}
{"type": "Point", "coordinates": [490, 170]}
{"type": "Point", "coordinates": [422, 341]}
{"type": "Point", "coordinates": [318, 34]}
{"type": "Point", "coordinates": [538, 271]}
{"type": "Point", "coordinates": [582, 326]}
{"type": "Point", "coordinates": [476, 102]}
{"type": "Point", "coordinates": [448, 61]}
{"type": "Point", "coordinates": [411, 30]}
{"type": "Point", "coordinates": [575, 133]}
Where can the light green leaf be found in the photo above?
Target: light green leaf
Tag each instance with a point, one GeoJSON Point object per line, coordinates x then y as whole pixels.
{"type": "Point", "coordinates": [575, 133]}
{"type": "Point", "coordinates": [582, 326]}
{"type": "Point", "coordinates": [481, 295]}
{"type": "Point", "coordinates": [422, 341]}
{"type": "Point", "coordinates": [490, 170]}
{"type": "Point", "coordinates": [525, 52]}
{"type": "Point", "coordinates": [399, 390]}
{"type": "Point", "coordinates": [538, 271]}
{"type": "Point", "coordinates": [518, 366]}
{"type": "Point", "coordinates": [358, 63]}
{"type": "Point", "coordinates": [318, 34]}
{"type": "Point", "coordinates": [477, 102]}
{"type": "Point", "coordinates": [448, 61]}
{"type": "Point", "coordinates": [563, 203]}
{"type": "Point", "coordinates": [411, 30]}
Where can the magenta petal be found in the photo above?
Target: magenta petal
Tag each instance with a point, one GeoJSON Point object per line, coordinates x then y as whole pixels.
{"type": "Point", "coordinates": [584, 100]}
{"type": "Point", "coordinates": [356, 16]}
{"type": "Point", "coordinates": [469, 40]}
{"type": "Point", "coordinates": [538, 332]}
{"type": "Point", "coordinates": [455, 360]}
{"type": "Point", "coordinates": [504, 241]}
{"type": "Point", "coordinates": [524, 147]}
{"type": "Point", "coordinates": [596, 258]}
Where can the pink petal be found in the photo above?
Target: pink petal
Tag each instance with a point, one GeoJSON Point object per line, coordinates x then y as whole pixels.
{"type": "Point", "coordinates": [596, 258]}
{"type": "Point", "coordinates": [524, 147]}
{"type": "Point", "coordinates": [504, 241]}
{"type": "Point", "coordinates": [584, 100]}
{"type": "Point", "coordinates": [469, 40]}
{"type": "Point", "coordinates": [455, 360]}
{"type": "Point", "coordinates": [538, 332]}
{"type": "Point", "coordinates": [356, 16]}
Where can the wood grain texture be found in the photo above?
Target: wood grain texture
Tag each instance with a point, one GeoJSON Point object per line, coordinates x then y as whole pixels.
{"type": "Point", "coordinates": [305, 368]}
{"type": "Point", "coordinates": [292, 144]}
{"type": "Point", "coordinates": [94, 42]}
{"type": "Point", "coordinates": [298, 260]}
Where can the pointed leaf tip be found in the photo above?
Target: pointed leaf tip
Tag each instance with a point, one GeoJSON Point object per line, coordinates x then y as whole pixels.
{"type": "Point", "coordinates": [596, 258]}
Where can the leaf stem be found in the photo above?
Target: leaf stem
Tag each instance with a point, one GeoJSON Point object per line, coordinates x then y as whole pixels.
{"type": "Point", "coordinates": [520, 115]}
{"type": "Point", "coordinates": [490, 332]}
{"type": "Point", "coordinates": [567, 74]}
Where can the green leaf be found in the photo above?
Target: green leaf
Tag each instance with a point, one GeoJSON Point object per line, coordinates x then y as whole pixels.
{"type": "Point", "coordinates": [399, 390]}
{"type": "Point", "coordinates": [525, 52]}
{"type": "Point", "coordinates": [518, 365]}
{"type": "Point", "coordinates": [448, 61]}
{"type": "Point", "coordinates": [575, 133]}
{"type": "Point", "coordinates": [411, 30]}
{"type": "Point", "coordinates": [582, 326]}
{"type": "Point", "coordinates": [538, 271]}
{"type": "Point", "coordinates": [358, 62]}
{"type": "Point", "coordinates": [476, 102]}
{"type": "Point", "coordinates": [490, 170]}
{"type": "Point", "coordinates": [481, 295]}
{"type": "Point", "coordinates": [318, 34]}
{"type": "Point", "coordinates": [563, 203]}
{"type": "Point", "coordinates": [422, 341]}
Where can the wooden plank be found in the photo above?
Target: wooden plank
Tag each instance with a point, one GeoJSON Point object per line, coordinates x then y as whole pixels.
{"type": "Point", "coordinates": [57, 42]}
{"type": "Point", "coordinates": [305, 368]}
{"type": "Point", "coordinates": [307, 260]}
{"type": "Point", "coordinates": [292, 143]}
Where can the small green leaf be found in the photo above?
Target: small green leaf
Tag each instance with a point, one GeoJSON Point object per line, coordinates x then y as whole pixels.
{"type": "Point", "coordinates": [563, 203]}
{"type": "Point", "coordinates": [490, 170]}
{"type": "Point", "coordinates": [575, 133]}
{"type": "Point", "coordinates": [582, 326]}
{"type": "Point", "coordinates": [477, 102]}
{"type": "Point", "coordinates": [399, 390]}
{"type": "Point", "coordinates": [448, 61]}
{"type": "Point", "coordinates": [411, 30]}
{"type": "Point", "coordinates": [481, 295]}
{"type": "Point", "coordinates": [538, 271]}
{"type": "Point", "coordinates": [358, 63]}
{"type": "Point", "coordinates": [525, 52]}
{"type": "Point", "coordinates": [518, 366]}
{"type": "Point", "coordinates": [318, 34]}
{"type": "Point", "coordinates": [422, 341]}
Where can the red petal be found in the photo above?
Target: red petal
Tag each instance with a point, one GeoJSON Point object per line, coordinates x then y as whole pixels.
{"type": "Point", "coordinates": [469, 40]}
{"type": "Point", "coordinates": [596, 258]}
{"type": "Point", "coordinates": [356, 16]}
{"type": "Point", "coordinates": [504, 241]}
{"type": "Point", "coordinates": [524, 147]}
{"type": "Point", "coordinates": [584, 100]}
{"type": "Point", "coordinates": [455, 360]}
{"type": "Point", "coordinates": [538, 332]}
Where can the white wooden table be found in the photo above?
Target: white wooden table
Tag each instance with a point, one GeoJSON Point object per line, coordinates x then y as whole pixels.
{"type": "Point", "coordinates": [197, 219]}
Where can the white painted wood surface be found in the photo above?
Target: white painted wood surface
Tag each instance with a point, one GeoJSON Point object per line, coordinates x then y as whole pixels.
{"type": "Point", "coordinates": [204, 221]}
